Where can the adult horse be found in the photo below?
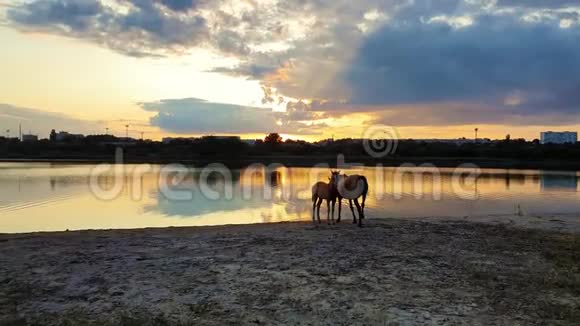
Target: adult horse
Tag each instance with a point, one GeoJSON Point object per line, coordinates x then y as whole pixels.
{"type": "Point", "coordinates": [351, 187]}
{"type": "Point", "coordinates": [324, 191]}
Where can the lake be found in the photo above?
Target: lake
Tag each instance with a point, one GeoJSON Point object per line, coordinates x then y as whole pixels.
{"type": "Point", "coordinates": [55, 197]}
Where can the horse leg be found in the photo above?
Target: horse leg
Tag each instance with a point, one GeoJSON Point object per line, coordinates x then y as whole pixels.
{"type": "Point", "coordinates": [314, 200]}
{"type": "Point", "coordinates": [364, 197]}
{"type": "Point", "coordinates": [352, 210]}
{"type": "Point", "coordinates": [333, 202]}
{"type": "Point", "coordinates": [318, 203]}
{"type": "Point", "coordinates": [328, 211]}
{"type": "Point", "coordinates": [360, 214]}
{"type": "Point", "coordinates": [339, 209]}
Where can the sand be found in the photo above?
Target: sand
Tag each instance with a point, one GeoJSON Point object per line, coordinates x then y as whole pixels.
{"type": "Point", "coordinates": [391, 272]}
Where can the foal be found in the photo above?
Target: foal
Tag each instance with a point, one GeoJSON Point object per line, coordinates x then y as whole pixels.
{"type": "Point", "coordinates": [324, 191]}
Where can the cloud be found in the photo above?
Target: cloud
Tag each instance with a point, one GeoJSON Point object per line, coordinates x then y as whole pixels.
{"type": "Point", "coordinates": [250, 71]}
{"type": "Point", "coordinates": [196, 116]}
{"type": "Point", "coordinates": [77, 15]}
{"type": "Point", "coordinates": [42, 122]}
{"type": "Point", "coordinates": [321, 39]}
{"type": "Point", "coordinates": [426, 62]}
{"type": "Point", "coordinates": [179, 5]}
{"type": "Point", "coordinates": [144, 28]}
{"type": "Point", "coordinates": [515, 60]}
{"type": "Point", "coordinates": [318, 33]}
{"type": "Point", "coordinates": [486, 62]}
{"type": "Point", "coordinates": [539, 3]}
{"type": "Point", "coordinates": [449, 114]}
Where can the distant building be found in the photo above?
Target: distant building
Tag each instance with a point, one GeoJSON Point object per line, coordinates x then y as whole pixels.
{"type": "Point", "coordinates": [553, 137]}
{"type": "Point", "coordinates": [328, 141]}
{"type": "Point", "coordinates": [63, 136]}
{"type": "Point", "coordinates": [122, 141]}
{"type": "Point", "coordinates": [234, 138]}
{"type": "Point", "coordinates": [169, 140]}
{"type": "Point", "coordinates": [250, 142]}
{"type": "Point", "coordinates": [29, 138]}
{"type": "Point", "coordinates": [9, 140]}
{"type": "Point", "coordinates": [456, 141]}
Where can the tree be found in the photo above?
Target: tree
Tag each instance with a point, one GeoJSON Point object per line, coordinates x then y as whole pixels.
{"type": "Point", "coordinates": [53, 135]}
{"type": "Point", "coordinates": [273, 138]}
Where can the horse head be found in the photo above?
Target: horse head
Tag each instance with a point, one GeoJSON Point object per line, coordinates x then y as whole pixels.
{"type": "Point", "coordinates": [334, 176]}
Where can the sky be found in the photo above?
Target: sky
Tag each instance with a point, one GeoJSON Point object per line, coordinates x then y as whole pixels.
{"type": "Point", "coordinates": [308, 69]}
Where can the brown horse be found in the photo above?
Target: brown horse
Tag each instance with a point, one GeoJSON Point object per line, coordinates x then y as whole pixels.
{"type": "Point", "coordinates": [351, 188]}
{"type": "Point", "coordinates": [324, 191]}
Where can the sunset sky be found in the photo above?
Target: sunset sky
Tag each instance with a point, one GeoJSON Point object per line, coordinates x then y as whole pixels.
{"type": "Point", "coordinates": [307, 69]}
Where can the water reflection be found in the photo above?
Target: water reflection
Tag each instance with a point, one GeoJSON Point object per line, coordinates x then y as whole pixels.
{"type": "Point", "coordinates": [274, 178]}
{"type": "Point", "coordinates": [559, 181]}
{"type": "Point", "coordinates": [37, 197]}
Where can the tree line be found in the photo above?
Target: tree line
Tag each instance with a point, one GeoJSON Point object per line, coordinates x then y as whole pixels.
{"type": "Point", "coordinates": [273, 145]}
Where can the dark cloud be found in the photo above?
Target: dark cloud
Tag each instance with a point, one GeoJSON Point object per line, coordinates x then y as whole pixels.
{"type": "Point", "coordinates": [77, 14]}
{"type": "Point", "coordinates": [193, 115]}
{"type": "Point", "coordinates": [145, 29]}
{"type": "Point", "coordinates": [488, 62]}
{"type": "Point", "coordinates": [448, 114]}
{"type": "Point", "coordinates": [539, 3]}
{"type": "Point", "coordinates": [301, 111]}
{"type": "Point", "coordinates": [309, 67]}
{"type": "Point", "coordinates": [231, 42]}
{"type": "Point", "coordinates": [179, 5]}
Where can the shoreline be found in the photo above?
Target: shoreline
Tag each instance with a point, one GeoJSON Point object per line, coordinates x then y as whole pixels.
{"type": "Point", "coordinates": [391, 270]}
{"type": "Point", "coordinates": [563, 223]}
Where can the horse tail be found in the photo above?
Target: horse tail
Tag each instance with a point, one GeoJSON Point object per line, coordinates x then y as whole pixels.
{"type": "Point", "coordinates": [365, 185]}
{"type": "Point", "coordinates": [365, 191]}
{"type": "Point", "coordinates": [364, 197]}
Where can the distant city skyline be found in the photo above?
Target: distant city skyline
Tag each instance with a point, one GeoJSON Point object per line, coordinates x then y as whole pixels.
{"type": "Point", "coordinates": [307, 69]}
{"type": "Point", "coordinates": [555, 136]}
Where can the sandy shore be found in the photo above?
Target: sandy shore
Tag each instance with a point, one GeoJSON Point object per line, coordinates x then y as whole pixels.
{"type": "Point", "coordinates": [390, 272]}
